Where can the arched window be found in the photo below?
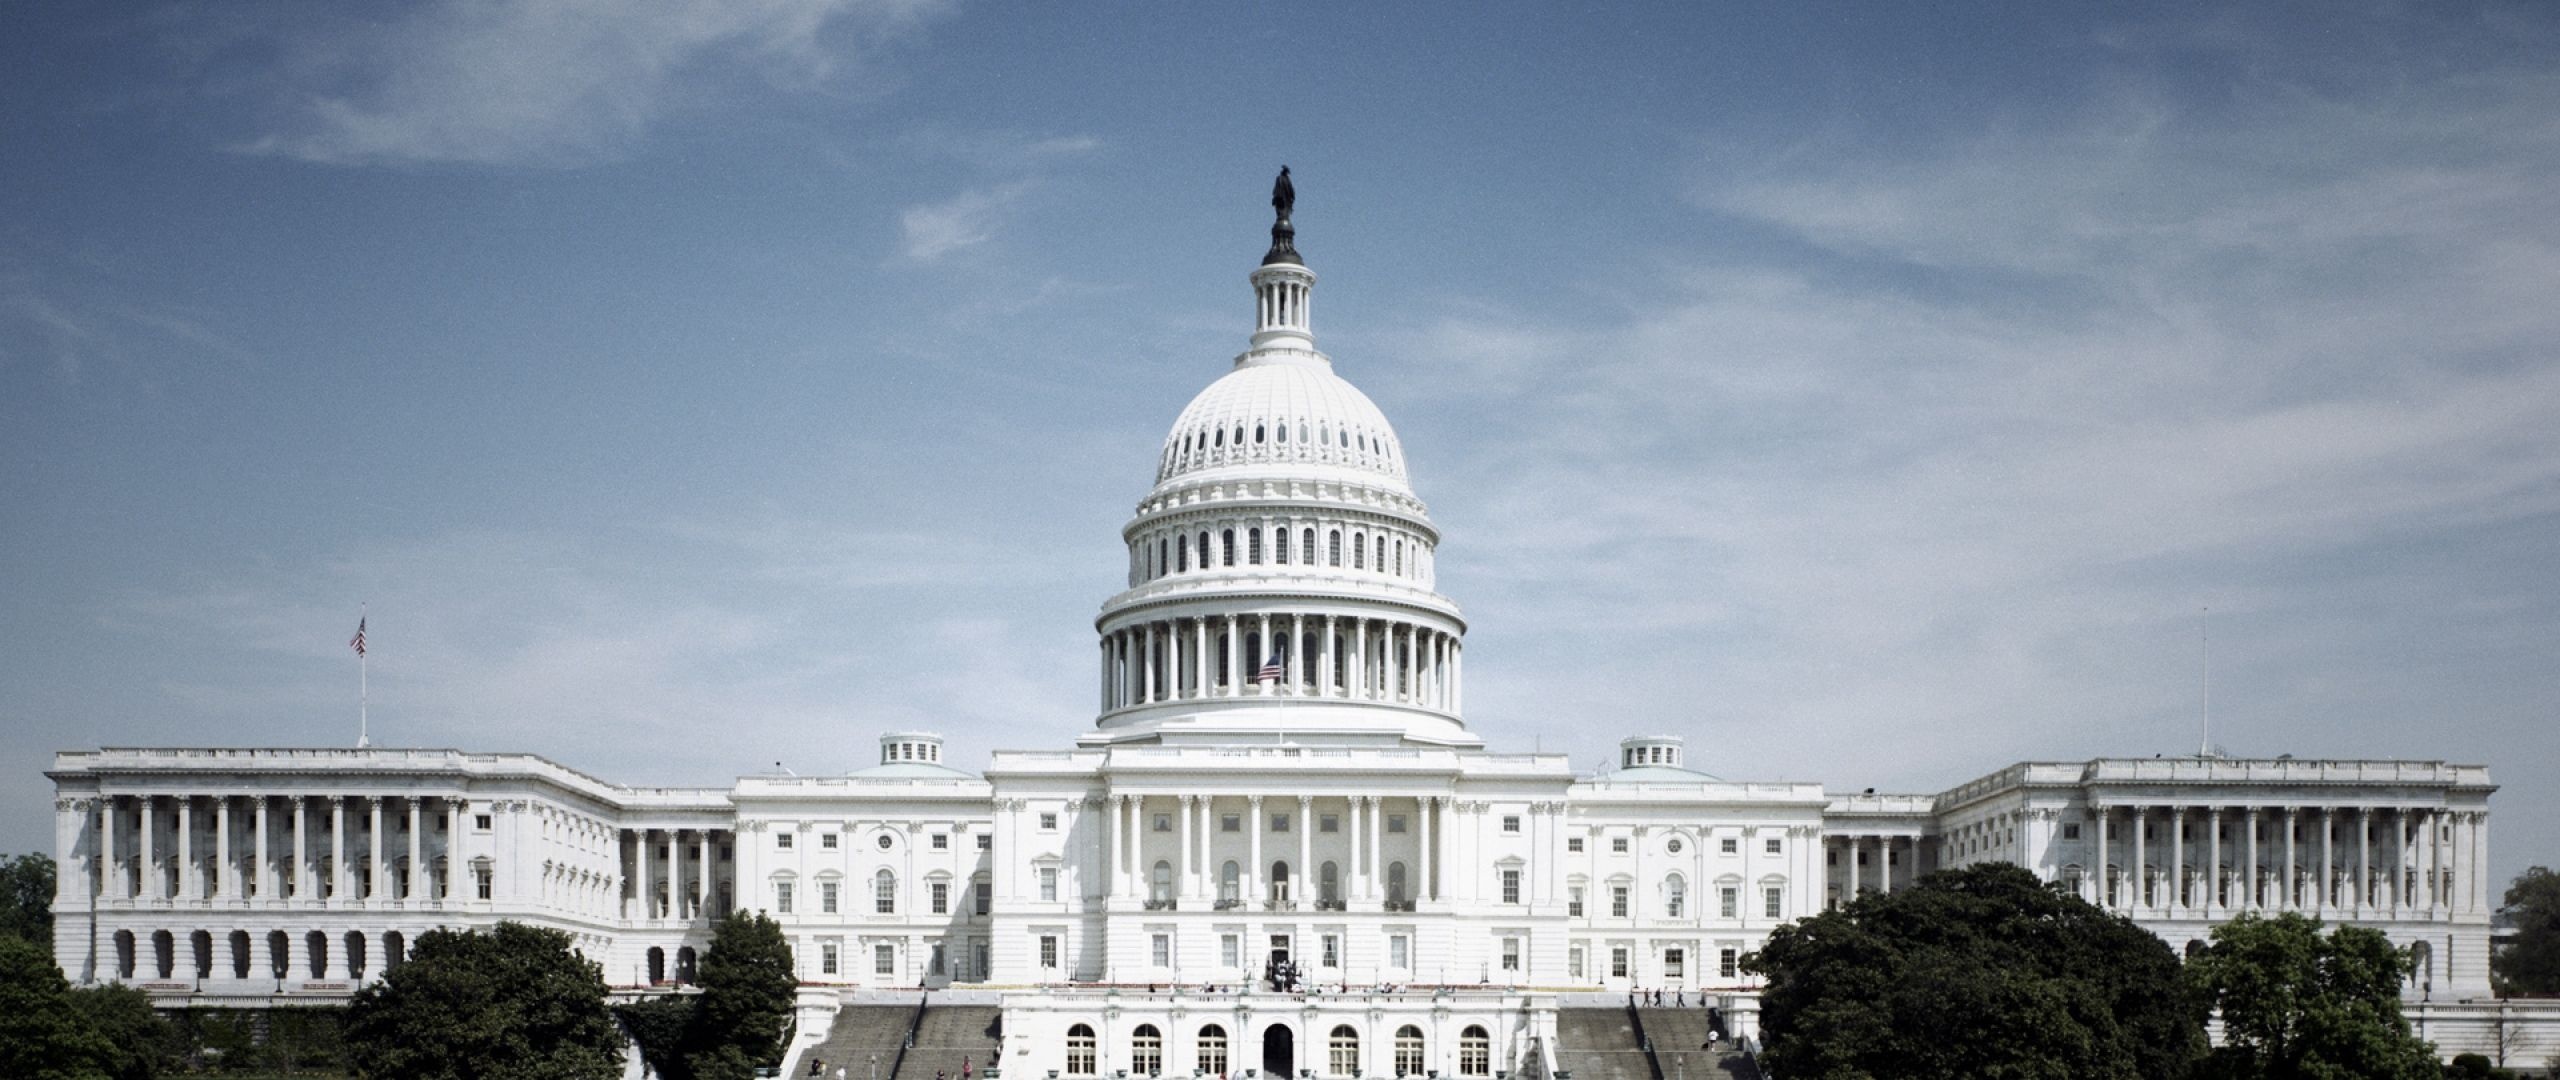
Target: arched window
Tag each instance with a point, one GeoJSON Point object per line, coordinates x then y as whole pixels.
{"type": "Point", "coordinates": [1333, 548]}
{"type": "Point", "coordinates": [1380, 561]}
{"type": "Point", "coordinates": [1227, 548]}
{"type": "Point", "coordinates": [1208, 557]}
{"type": "Point", "coordinates": [201, 944]}
{"type": "Point", "coordinates": [1328, 883]}
{"type": "Point", "coordinates": [1279, 881]}
{"type": "Point", "coordinates": [1080, 1050]}
{"type": "Point", "coordinates": [1343, 1050]}
{"type": "Point", "coordinates": [395, 950]}
{"type": "Point", "coordinates": [1220, 439]}
{"type": "Point", "coordinates": [1280, 545]}
{"type": "Point", "coordinates": [1253, 546]}
{"type": "Point", "coordinates": [1675, 897]}
{"type": "Point", "coordinates": [1280, 431]}
{"type": "Point", "coordinates": [1146, 1050]}
{"type": "Point", "coordinates": [1302, 431]}
{"type": "Point", "coordinates": [279, 954]}
{"type": "Point", "coordinates": [1257, 434]}
{"type": "Point", "coordinates": [315, 947]}
{"type": "Point", "coordinates": [1310, 547]}
{"type": "Point", "coordinates": [1213, 1039]}
{"type": "Point", "coordinates": [1409, 1051]}
{"type": "Point", "coordinates": [1475, 1052]}
{"type": "Point", "coordinates": [1395, 883]}
{"type": "Point", "coordinates": [884, 893]}
{"type": "Point", "coordinates": [1359, 548]}
{"type": "Point", "coordinates": [239, 954]}
{"type": "Point", "coordinates": [1182, 562]}
{"type": "Point", "coordinates": [1399, 563]}
{"type": "Point", "coordinates": [657, 965]}
{"type": "Point", "coordinates": [1160, 882]}
{"type": "Point", "coordinates": [1230, 877]}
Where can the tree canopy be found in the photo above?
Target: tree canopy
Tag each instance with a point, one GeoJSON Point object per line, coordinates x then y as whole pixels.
{"type": "Point", "coordinates": [2530, 964]}
{"type": "Point", "coordinates": [507, 1003]}
{"type": "Point", "coordinates": [26, 898]}
{"type": "Point", "coordinates": [743, 1015]}
{"type": "Point", "coordinates": [1978, 972]}
{"type": "Point", "coordinates": [44, 1033]}
{"type": "Point", "coordinates": [2297, 1004]}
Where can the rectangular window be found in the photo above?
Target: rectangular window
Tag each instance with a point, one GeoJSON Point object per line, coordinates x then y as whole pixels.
{"type": "Point", "coordinates": [1048, 950]}
{"type": "Point", "coordinates": [986, 842]}
{"type": "Point", "coordinates": [782, 897]}
{"type": "Point", "coordinates": [1395, 823]}
{"type": "Point", "coordinates": [1772, 846]}
{"type": "Point", "coordinates": [1617, 845]}
{"type": "Point", "coordinates": [1230, 950]}
{"type": "Point", "coordinates": [2071, 831]}
{"type": "Point", "coordinates": [1773, 902]}
{"type": "Point", "coordinates": [1511, 954]}
{"type": "Point", "coordinates": [1279, 823]}
{"type": "Point", "coordinates": [1573, 844]}
{"type": "Point", "coordinates": [1728, 962]}
{"type": "Point", "coordinates": [827, 958]}
{"type": "Point", "coordinates": [941, 891]}
{"type": "Point", "coordinates": [481, 822]}
{"type": "Point", "coordinates": [1049, 821]}
{"type": "Point", "coordinates": [1048, 883]}
{"type": "Point", "coordinates": [1162, 823]}
{"type": "Point", "coordinates": [1230, 823]}
{"type": "Point", "coordinates": [1675, 963]}
{"type": "Point", "coordinates": [1399, 952]}
{"type": "Point", "coordinates": [1511, 823]}
{"type": "Point", "coordinates": [1729, 846]}
{"type": "Point", "coordinates": [942, 841]}
{"type": "Point", "coordinates": [884, 895]}
{"type": "Point", "coordinates": [486, 883]}
{"type": "Point", "coordinates": [1510, 886]}
{"type": "Point", "coordinates": [1332, 944]}
{"type": "Point", "coordinates": [1617, 901]}
{"type": "Point", "coordinates": [827, 897]}
{"type": "Point", "coordinates": [1573, 961]}
{"type": "Point", "coordinates": [934, 966]}
{"type": "Point", "coordinates": [827, 841]}
{"type": "Point", "coordinates": [1617, 961]}
{"type": "Point", "coordinates": [1573, 902]}
{"type": "Point", "coordinates": [1328, 823]}
{"type": "Point", "coordinates": [782, 841]}
{"type": "Point", "coordinates": [884, 959]}
{"type": "Point", "coordinates": [1729, 901]}
{"type": "Point", "coordinates": [980, 897]}
{"type": "Point", "coordinates": [1160, 949]}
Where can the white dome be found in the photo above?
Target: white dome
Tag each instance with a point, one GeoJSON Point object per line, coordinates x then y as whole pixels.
{"type": "Point", "coordinates": [1290, 411]}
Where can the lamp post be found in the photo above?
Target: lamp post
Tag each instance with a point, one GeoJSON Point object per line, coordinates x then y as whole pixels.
{"type": "Point", "coordinates": [875, 1067]}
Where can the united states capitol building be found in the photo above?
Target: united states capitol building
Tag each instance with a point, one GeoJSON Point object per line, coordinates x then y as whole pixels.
{"type": "Point", "coordinates": [1279, 847]}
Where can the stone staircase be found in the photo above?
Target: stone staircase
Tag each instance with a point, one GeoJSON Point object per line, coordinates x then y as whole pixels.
{"type": "Point", "coordinates": [1601, 1044]}
{"type": "Point", "coordinates": [861, 1033]}
{"type": "Point", "coordinates": [1678, 1039]}
{"type": "Point", "coordinates": [948, 1036]}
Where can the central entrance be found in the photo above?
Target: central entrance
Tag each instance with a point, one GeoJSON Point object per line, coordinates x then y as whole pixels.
{"type": "Point", "coordinates": [1279, 1052]}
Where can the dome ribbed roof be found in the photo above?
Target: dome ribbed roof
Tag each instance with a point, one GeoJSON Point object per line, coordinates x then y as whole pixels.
{"type": "Point", "coordinates": [1283, 413]}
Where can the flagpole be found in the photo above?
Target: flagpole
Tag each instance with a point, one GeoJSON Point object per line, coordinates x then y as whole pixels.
{"type": "Point", "coordinates": [364, 684]}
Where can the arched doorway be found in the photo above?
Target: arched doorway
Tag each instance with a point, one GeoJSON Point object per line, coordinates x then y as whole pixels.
{"type": "Point", "coordinates": [1279, 1052]}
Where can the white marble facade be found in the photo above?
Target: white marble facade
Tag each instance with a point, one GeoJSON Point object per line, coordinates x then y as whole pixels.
{"type": "Point", "coordinates": [1280, 770]}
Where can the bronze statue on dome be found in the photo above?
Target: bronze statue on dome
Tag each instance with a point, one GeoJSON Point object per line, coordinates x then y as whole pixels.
{"type": "Point", "coordinates": [1284, 195]}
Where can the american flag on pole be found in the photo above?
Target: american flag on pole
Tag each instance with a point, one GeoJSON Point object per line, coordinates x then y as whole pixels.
{"type": "Point", "coordinates": [358, 640]}
{"type": "Point", "coordinates": [1271, 670]}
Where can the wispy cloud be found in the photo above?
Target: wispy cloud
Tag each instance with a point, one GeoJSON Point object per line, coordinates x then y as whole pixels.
{"type": "Point", "coordinates": [966, 220]}
{"type": "Point", "coordinates": [543, 82]}
{"type": "Point", "coordinates": [2050, 392]}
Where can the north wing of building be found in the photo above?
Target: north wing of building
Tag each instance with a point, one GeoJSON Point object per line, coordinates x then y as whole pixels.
{"type": "Point", "coordinates": [1280, 848]}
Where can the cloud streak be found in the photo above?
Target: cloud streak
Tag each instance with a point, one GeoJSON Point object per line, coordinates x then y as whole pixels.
{"type": "Point", "coordinates": [545, 82]}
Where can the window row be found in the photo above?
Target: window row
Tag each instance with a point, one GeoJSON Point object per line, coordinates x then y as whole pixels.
{"type": "Point", "coordinates": [1671, 898]}
{"type": "Point", "coordinates": [830, 895]}
{"type": "Point", "coordinates": [1674, 963]}
{"type": "Point", "coordinates": [1212, 1051]}
{"type": "Point", "coordinates": [1268, 439]}
{"type": "Point", "coordinates": [314, 955]}
{"type": "Point", "coordinates": [1318, 655]}
{"type": "Point", "coordinates": [1163, 553]}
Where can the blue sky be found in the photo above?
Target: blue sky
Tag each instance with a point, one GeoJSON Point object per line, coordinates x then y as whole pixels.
{"type": "Point", "coordinates": [1875, 395]}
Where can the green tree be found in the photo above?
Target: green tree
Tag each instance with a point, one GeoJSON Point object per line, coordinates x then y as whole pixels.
{"type": "Point", "coordinates": [2297, 1004]}
{"type": "Point", "coordinates": [2530, 964]}
{"type": "Point", "coordinates": [1979, 972]}
{"type": "Point", "coordinates": [43, 1036]}
{"type": "Point", "coordinates": [658, 1025]}
{"type": "Point", "coordinates": [26, 898]}
{"type": "Point", "coordinates": [139, 1044]}
{"type": "Point", "coordinates": [743, 1015]}
{"type": "Point", "coordinates": [511, 1003]}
